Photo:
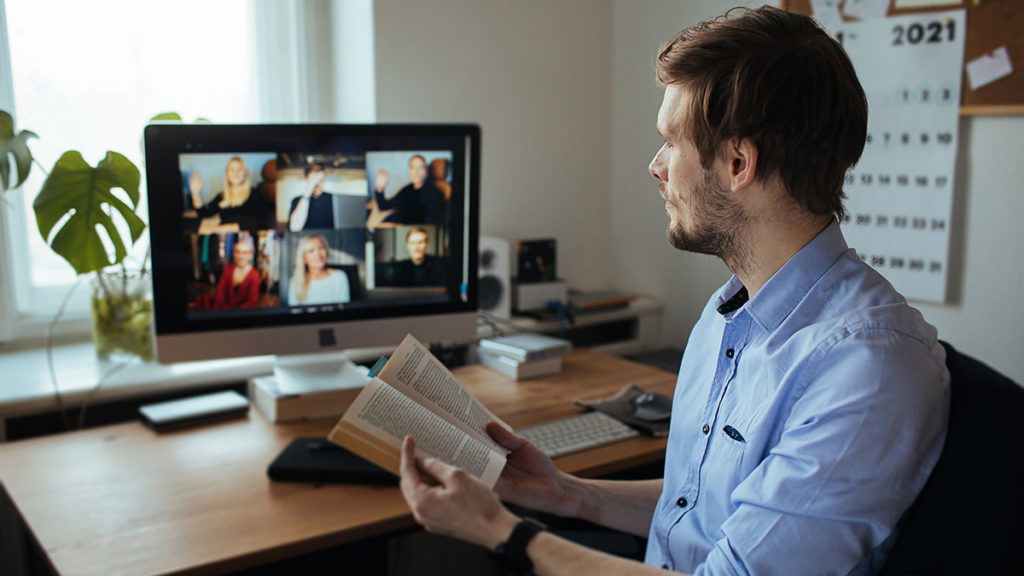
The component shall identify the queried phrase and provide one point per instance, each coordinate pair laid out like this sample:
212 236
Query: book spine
497 365
514 352
263 399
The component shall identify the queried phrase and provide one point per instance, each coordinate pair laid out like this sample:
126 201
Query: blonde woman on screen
236 206
312 281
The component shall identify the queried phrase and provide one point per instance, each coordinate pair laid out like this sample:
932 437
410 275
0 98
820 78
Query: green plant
16 145
75 206
75 213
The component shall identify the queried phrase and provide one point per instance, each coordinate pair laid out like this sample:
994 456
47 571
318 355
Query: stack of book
524 355
280 406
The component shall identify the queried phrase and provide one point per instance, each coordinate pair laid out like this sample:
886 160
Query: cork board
990 24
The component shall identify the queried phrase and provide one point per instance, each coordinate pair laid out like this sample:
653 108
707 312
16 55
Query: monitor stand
302 374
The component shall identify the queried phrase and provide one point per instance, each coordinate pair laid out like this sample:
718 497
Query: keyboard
587 430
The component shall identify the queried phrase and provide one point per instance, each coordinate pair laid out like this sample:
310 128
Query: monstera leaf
72 200
15 145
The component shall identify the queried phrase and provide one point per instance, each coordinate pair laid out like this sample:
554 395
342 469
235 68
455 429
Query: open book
415 394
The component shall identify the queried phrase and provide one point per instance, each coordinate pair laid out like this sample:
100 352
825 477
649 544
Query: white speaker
495 290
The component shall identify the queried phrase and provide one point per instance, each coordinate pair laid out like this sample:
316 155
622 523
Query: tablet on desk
319 461
176 414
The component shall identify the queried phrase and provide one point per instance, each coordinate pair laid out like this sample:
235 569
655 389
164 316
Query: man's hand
376 217
195 187
315 180
530 479
381 183
448 501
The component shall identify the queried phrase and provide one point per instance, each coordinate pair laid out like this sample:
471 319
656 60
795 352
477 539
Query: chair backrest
969 518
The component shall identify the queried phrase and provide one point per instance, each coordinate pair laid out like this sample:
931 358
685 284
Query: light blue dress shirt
804 423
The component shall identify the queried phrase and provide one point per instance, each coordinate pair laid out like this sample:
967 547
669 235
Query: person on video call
312 281
421 269
812 400
239 285
237 204
418 202
314 209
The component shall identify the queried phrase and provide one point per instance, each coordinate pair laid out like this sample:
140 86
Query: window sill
29 390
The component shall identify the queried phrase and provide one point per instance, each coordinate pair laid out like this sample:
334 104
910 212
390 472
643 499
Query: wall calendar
900 194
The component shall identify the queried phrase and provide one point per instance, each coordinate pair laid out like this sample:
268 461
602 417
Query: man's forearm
627 506
554 556
298 216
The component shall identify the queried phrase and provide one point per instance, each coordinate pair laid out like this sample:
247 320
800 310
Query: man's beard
715 218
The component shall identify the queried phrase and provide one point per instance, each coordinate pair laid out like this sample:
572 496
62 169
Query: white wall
644 260
566 95
536 76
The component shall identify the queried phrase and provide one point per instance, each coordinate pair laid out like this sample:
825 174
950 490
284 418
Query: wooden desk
123 499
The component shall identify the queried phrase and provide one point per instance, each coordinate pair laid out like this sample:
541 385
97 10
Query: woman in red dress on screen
239 285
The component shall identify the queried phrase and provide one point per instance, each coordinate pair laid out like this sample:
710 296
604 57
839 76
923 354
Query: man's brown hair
778 79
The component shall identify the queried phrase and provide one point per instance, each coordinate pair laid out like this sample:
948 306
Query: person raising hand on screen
313 209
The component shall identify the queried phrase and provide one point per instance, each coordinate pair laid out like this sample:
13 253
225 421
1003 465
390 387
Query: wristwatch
511 554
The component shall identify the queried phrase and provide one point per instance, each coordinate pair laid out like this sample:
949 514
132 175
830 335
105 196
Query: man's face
702 216
417 172
417 247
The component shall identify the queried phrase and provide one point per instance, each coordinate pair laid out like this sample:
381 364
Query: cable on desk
49 353
53 371
564 316
505 321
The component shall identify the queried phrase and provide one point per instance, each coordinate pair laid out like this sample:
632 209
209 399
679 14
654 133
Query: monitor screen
297 239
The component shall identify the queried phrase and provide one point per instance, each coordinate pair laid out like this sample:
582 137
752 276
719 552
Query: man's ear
741 158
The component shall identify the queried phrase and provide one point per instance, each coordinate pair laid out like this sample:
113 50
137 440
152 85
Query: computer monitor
304 239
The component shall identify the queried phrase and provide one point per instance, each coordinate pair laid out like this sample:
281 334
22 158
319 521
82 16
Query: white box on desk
280 407
519 370
526 346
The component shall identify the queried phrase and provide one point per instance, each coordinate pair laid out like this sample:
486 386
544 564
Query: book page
381 417
414 371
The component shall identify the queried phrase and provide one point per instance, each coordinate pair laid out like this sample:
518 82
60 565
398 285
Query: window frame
297 83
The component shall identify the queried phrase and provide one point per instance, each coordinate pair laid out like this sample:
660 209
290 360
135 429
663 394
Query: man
811 402
313 209
420 269
419 202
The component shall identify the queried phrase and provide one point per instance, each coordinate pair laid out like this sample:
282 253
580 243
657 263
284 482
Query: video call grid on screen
351 228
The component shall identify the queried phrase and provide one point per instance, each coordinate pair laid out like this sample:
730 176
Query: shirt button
730 353
705 429
681 502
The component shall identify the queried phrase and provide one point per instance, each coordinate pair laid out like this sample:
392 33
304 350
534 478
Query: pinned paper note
865 9
989 68
901 4
826 12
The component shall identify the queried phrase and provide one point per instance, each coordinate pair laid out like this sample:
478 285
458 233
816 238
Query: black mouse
652 406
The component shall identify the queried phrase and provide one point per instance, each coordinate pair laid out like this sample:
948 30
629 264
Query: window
116 64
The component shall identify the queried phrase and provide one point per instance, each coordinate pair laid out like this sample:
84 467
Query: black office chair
969 519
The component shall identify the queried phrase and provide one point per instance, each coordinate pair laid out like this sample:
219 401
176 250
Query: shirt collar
790 284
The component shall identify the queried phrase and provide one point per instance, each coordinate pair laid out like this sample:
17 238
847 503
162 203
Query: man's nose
657 167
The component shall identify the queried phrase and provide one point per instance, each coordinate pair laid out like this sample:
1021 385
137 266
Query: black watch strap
511 554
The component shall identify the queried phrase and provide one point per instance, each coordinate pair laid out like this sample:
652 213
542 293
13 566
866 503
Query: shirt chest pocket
737 424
